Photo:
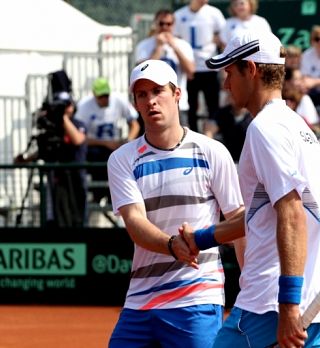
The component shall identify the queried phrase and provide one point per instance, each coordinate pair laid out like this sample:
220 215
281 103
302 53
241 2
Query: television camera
49 118
49 123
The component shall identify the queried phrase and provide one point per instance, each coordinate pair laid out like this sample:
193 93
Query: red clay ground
56 326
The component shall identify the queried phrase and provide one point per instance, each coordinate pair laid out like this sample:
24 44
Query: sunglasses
103 96
162 24
316 39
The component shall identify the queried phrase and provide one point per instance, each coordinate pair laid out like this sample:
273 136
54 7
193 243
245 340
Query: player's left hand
290 330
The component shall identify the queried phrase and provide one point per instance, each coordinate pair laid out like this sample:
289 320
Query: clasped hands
185 247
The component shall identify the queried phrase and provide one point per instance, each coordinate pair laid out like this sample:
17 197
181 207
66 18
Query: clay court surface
56 326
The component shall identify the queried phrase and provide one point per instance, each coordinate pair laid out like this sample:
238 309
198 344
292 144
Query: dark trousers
99 154
69 198
208 83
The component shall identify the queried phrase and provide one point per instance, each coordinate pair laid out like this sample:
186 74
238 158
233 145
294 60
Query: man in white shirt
157 181
175 51
279 172
200 24
104 113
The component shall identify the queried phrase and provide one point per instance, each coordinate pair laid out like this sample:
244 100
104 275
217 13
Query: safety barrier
24 200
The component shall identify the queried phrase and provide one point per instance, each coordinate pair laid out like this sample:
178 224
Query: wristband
205 239
290 289
170 241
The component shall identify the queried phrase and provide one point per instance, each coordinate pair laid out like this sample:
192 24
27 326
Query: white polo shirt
280 154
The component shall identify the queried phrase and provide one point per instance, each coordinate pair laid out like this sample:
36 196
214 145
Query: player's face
238 84
158 105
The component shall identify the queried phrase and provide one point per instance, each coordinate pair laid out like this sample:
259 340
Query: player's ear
177 93
252 68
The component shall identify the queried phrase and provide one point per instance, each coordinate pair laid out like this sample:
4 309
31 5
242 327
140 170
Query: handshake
185 247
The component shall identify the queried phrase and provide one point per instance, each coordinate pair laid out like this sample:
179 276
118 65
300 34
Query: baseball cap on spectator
248 45
157 71
101 87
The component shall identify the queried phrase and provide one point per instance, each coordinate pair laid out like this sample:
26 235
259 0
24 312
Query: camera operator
68 187
62 139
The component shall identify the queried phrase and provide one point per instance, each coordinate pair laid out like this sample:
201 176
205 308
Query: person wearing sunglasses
176 52
310 66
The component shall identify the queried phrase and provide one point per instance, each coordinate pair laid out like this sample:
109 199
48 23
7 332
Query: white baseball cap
157 71
260 47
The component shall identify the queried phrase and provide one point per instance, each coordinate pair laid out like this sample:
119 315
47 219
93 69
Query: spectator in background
243 16
293 57
310 66
175 51
104 114
200 24
294 92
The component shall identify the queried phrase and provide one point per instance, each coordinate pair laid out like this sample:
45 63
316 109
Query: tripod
30 177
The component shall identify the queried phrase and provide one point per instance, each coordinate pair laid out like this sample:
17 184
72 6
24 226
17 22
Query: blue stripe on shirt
153 167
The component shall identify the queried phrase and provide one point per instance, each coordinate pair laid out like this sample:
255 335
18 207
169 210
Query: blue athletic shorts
243 329
187 327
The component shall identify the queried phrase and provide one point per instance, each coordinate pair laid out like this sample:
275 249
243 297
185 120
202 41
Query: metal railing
25 198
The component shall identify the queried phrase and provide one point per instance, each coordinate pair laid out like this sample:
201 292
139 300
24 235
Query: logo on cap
144 67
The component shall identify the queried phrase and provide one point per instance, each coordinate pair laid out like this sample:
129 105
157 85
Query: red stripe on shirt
179 293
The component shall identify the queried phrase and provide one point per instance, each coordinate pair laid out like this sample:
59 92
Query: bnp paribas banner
65 266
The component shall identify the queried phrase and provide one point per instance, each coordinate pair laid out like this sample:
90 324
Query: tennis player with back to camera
279 173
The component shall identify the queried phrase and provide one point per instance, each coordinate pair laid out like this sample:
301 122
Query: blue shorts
245 329
188 327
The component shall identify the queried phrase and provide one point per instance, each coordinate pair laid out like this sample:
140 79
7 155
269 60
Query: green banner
43 259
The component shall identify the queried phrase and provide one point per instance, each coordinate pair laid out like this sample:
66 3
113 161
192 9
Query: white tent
49 25
36 32
37 37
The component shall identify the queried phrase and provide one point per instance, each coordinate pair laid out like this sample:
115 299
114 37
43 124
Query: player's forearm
291 234
142 231
230 230
147 235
